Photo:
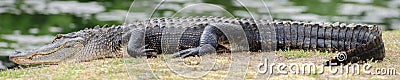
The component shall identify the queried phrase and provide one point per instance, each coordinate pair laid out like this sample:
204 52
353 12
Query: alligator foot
136 46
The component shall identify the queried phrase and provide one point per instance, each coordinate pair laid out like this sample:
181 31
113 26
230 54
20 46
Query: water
27 24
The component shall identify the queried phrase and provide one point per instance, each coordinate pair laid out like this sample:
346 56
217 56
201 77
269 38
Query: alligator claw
148 54
191 53
148 50
186 53
198 51
142 51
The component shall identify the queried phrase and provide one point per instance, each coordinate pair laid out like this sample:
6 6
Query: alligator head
83 45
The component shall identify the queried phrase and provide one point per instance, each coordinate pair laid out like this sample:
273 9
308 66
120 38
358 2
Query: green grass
121 68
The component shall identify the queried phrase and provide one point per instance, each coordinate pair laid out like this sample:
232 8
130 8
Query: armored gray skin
184 37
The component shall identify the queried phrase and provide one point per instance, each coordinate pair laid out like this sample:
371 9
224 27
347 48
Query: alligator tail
360 42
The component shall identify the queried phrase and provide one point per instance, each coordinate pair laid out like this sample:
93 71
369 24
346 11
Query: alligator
196 36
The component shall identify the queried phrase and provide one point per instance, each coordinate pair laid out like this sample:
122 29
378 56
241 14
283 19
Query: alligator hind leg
136 45
208 43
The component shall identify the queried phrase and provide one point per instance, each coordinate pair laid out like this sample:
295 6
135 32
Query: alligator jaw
25 61
26 58
20 60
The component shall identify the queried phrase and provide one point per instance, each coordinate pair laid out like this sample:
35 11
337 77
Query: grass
223 66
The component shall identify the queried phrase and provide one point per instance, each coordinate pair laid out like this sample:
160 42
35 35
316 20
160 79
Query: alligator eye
54 40
58 36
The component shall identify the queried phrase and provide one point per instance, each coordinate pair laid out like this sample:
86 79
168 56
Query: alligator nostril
17 52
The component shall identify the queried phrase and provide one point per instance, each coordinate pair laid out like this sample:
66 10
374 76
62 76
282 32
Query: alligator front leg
136 45
208 43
